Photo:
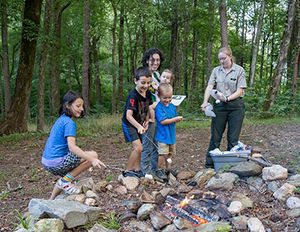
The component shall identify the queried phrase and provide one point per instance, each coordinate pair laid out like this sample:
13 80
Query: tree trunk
195 55
174 45
5 59
55 58
262 59
296 52
120 50
85 58
16 119
281 61
114 75
1 93
211 16
256 42
97 71
42 69
223 22
242 53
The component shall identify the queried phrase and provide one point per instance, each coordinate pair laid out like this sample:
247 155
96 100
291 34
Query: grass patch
112 124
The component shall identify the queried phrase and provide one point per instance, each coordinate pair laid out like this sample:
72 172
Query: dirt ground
20 165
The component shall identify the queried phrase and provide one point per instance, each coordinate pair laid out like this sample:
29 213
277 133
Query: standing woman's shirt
228 83
57 144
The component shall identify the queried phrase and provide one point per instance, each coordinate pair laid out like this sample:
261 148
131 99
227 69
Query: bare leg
161 161
135 157
84 165
55 192
168 165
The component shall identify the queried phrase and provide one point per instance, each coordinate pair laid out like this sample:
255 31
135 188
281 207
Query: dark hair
142 71
149 53
70 97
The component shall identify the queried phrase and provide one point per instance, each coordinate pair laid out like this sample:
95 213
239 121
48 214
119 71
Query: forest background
93 46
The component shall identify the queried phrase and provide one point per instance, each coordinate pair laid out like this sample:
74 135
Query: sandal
68 187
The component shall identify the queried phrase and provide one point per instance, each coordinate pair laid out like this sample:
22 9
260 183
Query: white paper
208 111
177 99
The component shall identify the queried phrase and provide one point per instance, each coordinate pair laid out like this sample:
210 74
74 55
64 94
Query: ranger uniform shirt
228 83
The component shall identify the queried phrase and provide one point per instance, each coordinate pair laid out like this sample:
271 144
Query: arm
130 118
206 97
235 95
77 151
171 120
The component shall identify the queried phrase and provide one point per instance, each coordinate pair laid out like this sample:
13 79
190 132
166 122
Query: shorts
165 149
71 161
130 133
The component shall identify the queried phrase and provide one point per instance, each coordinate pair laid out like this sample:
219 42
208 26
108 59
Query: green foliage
224 228
4 194
110 177
297 190
23 221
111 222
226 167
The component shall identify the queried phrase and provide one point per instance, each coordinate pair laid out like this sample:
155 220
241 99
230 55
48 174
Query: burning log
183 214
197 213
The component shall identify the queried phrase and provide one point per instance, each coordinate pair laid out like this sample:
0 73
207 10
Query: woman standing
153 59
229 79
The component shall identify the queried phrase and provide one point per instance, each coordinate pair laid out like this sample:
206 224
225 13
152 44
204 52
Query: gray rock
100 228
293 202
49 225
293 212
71 212
131 183
255 225
284 192
276 172
159 220
246 201
213 227
273 186
240 222
246 169
222 181
294 180
255 183
144 211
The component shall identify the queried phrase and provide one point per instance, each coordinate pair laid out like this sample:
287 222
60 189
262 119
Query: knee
139 149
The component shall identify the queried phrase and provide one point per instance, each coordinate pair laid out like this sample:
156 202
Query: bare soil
20 164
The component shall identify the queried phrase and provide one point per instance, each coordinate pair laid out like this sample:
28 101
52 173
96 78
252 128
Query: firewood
260 161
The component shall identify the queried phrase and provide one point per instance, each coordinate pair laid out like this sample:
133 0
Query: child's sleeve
160 115
131 103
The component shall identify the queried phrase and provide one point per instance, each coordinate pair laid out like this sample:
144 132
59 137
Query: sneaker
68 187
161 174
139 173
173 171
129 174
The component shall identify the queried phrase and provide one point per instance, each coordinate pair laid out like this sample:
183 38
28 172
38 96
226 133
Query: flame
185 201
200 220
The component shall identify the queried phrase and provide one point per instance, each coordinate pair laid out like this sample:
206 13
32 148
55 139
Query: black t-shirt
139 105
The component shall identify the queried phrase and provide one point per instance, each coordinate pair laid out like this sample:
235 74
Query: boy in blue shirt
166 118
135 119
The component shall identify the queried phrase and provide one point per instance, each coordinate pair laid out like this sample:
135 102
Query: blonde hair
170 72
163 87
228 52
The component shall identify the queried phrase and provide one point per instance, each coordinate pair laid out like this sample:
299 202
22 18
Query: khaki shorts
165 149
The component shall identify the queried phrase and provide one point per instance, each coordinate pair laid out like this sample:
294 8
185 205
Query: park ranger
229 82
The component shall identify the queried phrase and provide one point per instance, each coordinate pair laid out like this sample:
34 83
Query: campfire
195 215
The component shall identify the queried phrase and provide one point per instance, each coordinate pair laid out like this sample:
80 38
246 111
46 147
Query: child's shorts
130 133
71 161
165 149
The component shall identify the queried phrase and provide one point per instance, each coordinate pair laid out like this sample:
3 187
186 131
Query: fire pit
173 207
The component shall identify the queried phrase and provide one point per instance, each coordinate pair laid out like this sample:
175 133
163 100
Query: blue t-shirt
57 145
165 133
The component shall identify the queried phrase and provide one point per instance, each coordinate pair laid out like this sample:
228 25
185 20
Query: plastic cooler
227 157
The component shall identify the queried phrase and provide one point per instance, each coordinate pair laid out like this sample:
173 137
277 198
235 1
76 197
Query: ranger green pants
231 112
